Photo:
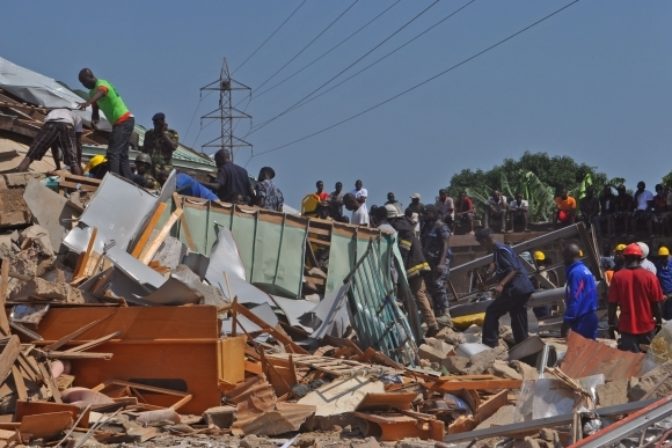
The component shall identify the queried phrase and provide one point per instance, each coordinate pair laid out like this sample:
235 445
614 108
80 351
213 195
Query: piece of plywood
24 408
147 255
232 359
46 425
452 386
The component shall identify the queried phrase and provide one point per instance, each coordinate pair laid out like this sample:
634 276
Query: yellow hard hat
539 255
620 247
663 251
95 161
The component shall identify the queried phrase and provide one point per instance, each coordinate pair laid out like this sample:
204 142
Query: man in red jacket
637 293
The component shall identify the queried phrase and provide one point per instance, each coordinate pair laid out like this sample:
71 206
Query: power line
329 51
375 47
270 36
387 55
422 83
309 44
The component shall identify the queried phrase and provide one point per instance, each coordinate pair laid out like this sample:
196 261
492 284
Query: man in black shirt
234 183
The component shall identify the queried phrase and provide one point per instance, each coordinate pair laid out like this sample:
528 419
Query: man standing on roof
637 293
361 194
512 292
336 203
61 129
102 95
268 195
580 296
234 182
160 143
360 215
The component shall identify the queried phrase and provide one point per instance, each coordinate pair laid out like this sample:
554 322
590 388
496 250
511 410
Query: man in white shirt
446 207
361 194
61 129
518 209
643 201
360 215
496 211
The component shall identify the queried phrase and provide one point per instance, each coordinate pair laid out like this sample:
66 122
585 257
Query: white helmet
645 249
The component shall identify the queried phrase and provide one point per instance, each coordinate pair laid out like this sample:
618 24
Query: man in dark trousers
637 293
234 183
512 292
104 96
435 239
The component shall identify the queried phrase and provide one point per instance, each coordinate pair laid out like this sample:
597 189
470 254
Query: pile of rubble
129 317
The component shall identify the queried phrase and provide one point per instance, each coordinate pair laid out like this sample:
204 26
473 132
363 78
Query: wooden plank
142 241
94 343
8 357
45 369
79 355
71 336
452 386
24 408
19 384
83 261
4 284
161 237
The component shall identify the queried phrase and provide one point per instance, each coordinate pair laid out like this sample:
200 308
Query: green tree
537 176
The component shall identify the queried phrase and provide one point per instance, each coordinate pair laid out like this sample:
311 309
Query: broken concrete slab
435 350
220 416
612 393
37 237
657 383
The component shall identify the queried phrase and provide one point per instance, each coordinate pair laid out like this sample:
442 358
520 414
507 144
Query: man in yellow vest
102 95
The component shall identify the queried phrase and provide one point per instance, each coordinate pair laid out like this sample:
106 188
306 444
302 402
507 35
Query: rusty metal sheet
586 357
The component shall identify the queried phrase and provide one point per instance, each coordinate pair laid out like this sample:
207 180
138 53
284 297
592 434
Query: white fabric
363 193
513 205
643 200
65 116
649 266
360 216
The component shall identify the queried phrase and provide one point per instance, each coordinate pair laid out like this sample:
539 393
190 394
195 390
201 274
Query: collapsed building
131 316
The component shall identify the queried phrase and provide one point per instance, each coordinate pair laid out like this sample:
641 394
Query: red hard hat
633 250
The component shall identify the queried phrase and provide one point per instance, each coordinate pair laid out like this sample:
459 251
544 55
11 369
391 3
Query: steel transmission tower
226 113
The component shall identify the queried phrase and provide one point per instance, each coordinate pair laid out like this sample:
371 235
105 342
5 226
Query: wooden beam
4 285
161 237
142 242
94 343
83 261
8 357
69 337
286 341
452 386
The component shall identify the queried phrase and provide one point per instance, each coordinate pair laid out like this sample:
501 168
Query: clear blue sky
592 83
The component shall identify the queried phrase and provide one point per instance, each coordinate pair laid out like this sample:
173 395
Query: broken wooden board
170 347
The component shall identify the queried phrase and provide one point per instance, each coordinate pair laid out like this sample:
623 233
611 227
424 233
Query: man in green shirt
102 95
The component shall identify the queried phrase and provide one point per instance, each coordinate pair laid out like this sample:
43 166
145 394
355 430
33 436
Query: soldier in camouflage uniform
160 143
143 173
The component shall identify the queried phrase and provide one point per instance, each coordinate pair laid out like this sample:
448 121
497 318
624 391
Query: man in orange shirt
565 209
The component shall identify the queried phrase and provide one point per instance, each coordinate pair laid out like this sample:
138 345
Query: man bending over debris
636 292
580 295
512 292
61 129
234 182
104 96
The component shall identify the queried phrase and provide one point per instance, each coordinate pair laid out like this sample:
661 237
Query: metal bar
641 419
566 419
565 232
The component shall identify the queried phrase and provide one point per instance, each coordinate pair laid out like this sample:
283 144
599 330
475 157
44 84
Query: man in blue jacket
580 295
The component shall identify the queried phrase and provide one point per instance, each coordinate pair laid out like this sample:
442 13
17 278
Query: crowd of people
639 291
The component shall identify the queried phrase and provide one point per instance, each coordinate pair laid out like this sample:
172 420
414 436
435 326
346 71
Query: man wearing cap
415 211
160 143
580 295
234 182
268 195
143 173
416 266
104 96
646 263
637 293
512 292
664 274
